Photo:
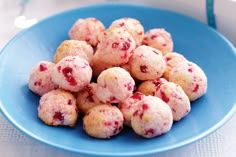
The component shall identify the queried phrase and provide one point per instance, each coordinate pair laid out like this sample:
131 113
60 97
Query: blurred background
16 15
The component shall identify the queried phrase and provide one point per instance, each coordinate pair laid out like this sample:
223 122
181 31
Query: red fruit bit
116 122
67 72
116 130
107 123
165 124
164 45
122 24
104 33
115 45
112 98
42 67
38 83
164 97
59 68
135 113
196 88
137 96
69 102
126 46
58 116
187 111
141 115
168 58
87 39
190 70
145 106
143 68
149 131
129 86
153 37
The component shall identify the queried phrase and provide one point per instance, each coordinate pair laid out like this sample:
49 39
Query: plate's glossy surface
196 41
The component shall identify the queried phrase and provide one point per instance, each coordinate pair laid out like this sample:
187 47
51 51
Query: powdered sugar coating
73 48
58 107
175 97
191 78
87 30
160 39
147 63
87 99
72 73
129 105
115 46
40 80
172 60
150 87
103 121
114 85
152 118
133 26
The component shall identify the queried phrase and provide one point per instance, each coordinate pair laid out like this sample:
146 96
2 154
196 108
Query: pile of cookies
114 77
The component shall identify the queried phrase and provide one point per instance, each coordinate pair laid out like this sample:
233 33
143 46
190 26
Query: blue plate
196 41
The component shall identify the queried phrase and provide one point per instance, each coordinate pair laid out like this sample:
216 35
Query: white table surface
13 143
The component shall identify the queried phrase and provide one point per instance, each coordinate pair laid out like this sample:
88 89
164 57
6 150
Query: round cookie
133 26
40 80
160 39
73 48
114 85
72 73
152 118
87 30
115 46
147 63
191 78
58 107
103 121
176 98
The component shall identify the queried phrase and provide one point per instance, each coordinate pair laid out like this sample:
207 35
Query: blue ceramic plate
196 41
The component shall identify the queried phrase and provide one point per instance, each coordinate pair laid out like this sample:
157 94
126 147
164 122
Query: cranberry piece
153 37
143 68
126 46
145 106
149 131
67 72
42 67
122 24
137 96
164 97
58 116
196 88
38 83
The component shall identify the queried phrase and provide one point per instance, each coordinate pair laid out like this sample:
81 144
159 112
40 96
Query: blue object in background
210 13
